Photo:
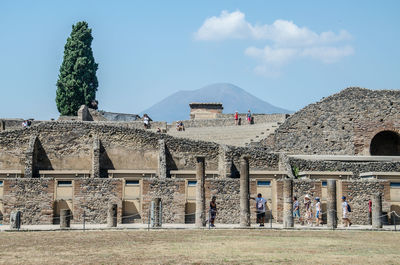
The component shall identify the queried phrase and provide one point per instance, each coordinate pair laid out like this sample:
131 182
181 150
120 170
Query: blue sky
288 53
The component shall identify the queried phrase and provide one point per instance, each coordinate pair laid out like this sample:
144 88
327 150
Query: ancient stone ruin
345 145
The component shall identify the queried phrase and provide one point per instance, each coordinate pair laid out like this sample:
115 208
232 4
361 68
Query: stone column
65 218
96 158
162 159
331 204
376 211
112 215
200 192
2 125
288 203
156 212
244 192
15 220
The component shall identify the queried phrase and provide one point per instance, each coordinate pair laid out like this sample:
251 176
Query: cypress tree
77 82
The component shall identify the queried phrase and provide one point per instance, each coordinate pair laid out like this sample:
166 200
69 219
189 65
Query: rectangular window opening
324 184
131 182
395 184
263 183
192 182
64 183
1 183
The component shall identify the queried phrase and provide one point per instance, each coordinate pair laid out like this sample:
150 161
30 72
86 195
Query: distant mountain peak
176 106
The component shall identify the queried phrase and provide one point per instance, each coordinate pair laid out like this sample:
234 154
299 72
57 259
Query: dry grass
200 247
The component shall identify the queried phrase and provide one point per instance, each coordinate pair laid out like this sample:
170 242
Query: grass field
200 247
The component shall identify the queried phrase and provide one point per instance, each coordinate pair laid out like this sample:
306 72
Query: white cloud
277 56
286 40
226 26
328 54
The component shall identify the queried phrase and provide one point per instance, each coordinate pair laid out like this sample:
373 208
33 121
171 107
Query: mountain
176 106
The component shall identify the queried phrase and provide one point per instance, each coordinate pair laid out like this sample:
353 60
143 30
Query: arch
385 143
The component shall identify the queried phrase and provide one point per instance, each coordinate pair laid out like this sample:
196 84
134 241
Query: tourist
260 209
296 209
236 118
345 210
318 213
181 126
213 210
307 207
249 117
370 212
146 121
158 130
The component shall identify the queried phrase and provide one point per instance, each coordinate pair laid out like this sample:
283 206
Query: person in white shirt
318 213
345 209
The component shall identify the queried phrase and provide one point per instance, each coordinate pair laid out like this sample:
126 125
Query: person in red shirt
236 118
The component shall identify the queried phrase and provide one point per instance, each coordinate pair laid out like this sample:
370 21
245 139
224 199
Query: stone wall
13 145
12 124
33 197
93 195
356 167
228 120
343 123
69 146
312 188
172 194
228 200
359 192
259 159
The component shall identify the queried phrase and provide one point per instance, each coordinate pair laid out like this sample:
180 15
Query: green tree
77 82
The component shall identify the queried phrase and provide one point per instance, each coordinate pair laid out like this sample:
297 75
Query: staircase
229 135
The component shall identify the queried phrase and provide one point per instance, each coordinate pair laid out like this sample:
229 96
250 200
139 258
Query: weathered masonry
85 166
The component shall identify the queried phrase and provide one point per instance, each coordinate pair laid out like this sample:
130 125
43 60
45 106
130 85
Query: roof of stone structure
334 124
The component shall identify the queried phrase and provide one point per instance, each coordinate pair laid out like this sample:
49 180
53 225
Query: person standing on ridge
249 116
236 118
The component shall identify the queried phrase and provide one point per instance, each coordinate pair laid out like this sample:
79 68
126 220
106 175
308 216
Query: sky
288 53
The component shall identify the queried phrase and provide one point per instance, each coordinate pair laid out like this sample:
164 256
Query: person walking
345 210
318 213
296 209
307 207
213 210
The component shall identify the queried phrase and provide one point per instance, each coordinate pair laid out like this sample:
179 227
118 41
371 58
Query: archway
385 143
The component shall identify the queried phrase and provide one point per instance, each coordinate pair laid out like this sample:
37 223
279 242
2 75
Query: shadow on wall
171 165
234 171
105 162
40 158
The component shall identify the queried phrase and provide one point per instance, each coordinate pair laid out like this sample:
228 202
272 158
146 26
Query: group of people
26 123
308 217
238 120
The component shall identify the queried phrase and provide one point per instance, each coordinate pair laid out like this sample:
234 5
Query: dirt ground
200 247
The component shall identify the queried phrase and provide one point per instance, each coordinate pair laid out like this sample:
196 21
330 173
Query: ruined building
352 137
